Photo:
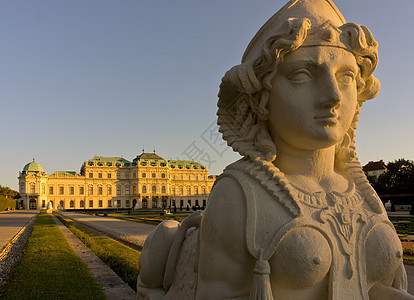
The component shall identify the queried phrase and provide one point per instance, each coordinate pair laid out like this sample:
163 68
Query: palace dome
33 167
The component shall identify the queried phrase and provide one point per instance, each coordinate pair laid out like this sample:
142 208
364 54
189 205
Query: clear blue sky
80 78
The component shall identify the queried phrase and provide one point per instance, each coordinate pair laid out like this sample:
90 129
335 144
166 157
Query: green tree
9 193
398 179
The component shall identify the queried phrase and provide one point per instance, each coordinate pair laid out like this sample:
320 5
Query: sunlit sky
80 78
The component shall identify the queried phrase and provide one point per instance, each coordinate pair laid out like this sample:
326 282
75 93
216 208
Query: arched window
32 188
154 189
189 190
144 189
61 204
71 204
153 175
196 190
43 188
163 189
144 175
181 190
163 175
81 204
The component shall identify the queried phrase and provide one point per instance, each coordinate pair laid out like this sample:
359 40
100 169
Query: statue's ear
370 90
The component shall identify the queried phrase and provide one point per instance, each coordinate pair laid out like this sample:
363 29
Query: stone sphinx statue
295 218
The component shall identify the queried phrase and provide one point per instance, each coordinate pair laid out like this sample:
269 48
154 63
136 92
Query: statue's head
303 78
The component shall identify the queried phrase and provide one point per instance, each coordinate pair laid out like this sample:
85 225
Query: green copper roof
33 167
109 159
185 164
148 156
62 173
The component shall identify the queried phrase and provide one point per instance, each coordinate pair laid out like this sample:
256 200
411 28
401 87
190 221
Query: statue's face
314 97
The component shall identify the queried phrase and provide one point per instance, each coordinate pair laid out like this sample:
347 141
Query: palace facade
149 181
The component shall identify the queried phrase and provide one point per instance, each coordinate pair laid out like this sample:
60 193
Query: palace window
22 188
100 203
154 203
118 203
90 203
71 203
118 175
109 203
144 203
118 190
163 189
181 190
196 177
126 175
43 188
81 190
109 190
71 190
99 175
127 190
144 175
61 204
90 175
99 190
154 189
134 189
163 175
61 190
196 190
51 190
81 203
144 189
173 191
32 188
109 175
189 177
153 175
204 190
127 203
189 190
90 190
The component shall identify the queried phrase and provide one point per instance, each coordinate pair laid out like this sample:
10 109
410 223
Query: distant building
375 168
149 181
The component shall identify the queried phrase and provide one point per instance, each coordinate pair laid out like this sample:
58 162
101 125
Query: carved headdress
244 91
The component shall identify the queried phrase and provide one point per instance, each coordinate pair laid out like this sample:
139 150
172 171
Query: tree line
9 193
398 179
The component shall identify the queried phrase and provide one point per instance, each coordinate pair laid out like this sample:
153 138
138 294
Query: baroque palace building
149 181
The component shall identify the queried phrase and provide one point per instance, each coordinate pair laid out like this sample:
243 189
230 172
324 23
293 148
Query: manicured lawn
50 269
120 258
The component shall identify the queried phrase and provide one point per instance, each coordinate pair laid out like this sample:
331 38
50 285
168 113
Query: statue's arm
381 291
225 265
393 287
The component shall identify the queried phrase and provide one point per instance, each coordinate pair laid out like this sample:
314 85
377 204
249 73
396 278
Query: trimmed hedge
6 203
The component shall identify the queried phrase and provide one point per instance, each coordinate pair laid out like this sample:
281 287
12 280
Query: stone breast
302 259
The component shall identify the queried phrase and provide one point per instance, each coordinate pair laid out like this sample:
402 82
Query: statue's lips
328 119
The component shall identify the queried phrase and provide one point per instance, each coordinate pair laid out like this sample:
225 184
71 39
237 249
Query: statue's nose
330 95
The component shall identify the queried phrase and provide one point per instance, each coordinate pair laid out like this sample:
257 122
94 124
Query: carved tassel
261 288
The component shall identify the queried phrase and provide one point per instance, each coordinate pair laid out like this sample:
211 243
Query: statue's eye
346 78
300 76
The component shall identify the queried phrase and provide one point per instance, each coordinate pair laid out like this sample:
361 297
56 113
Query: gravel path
13 251
129 231
112 285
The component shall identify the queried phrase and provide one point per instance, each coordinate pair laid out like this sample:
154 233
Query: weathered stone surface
295 218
